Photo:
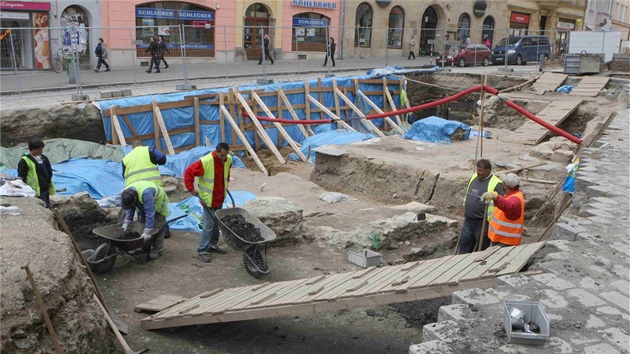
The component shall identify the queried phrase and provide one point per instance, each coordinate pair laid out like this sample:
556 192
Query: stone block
563 156
283 217
553 281
431 347
622 285
597 191
117 94
473 297
600 348
447 331
565 232
457 312
617 337
106 94
126 93
585 298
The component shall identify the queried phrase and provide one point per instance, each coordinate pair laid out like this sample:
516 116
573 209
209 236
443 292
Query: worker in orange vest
508 221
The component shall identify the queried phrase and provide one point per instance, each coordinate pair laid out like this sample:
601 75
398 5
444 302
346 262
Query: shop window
396 23
164 18
463 27
310 31
363 30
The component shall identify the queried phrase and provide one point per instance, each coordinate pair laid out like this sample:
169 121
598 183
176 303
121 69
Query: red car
472 54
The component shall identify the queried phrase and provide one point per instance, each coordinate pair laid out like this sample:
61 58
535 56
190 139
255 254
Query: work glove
126 225
146 234
488 196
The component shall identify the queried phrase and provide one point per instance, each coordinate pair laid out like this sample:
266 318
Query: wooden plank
306 102
331 114
388 119
261 131
555 113
160 303
280 128
438 271
320 97
337 109
478 270
118 130
293 114
523 257
422 272
128 123
222 119
517 169
375 276
359 113
237 131
160 121
456 269
548 82
328 287
197 127
390 99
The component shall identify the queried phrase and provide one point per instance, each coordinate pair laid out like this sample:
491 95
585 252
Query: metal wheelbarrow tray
254 260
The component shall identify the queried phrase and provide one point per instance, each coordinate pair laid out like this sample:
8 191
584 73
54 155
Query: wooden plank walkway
590 86
362 288
548 82
531 133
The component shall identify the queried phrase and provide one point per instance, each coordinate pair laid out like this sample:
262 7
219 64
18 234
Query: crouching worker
507 224
151 203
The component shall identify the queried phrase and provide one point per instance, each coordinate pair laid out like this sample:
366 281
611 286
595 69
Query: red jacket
196 170
511 207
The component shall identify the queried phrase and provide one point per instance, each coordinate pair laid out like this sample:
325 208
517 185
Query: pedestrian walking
266 55
34 169
213 173
486 41
101 53
412 47
330 52
161 49
482 181
155 58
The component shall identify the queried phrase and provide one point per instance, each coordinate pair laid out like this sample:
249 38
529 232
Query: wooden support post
119 336
116 125
232 113
307 109
359 113
197 128
337 110
279 113
156 129
280 128
483 83
391 103
158 116
389 120
222 118
293 114
261 131
331 114
241 136
320 97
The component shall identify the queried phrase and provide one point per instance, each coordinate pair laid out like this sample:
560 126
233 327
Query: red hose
442 101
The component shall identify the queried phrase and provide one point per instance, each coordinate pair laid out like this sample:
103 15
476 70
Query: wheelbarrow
254 255
115 242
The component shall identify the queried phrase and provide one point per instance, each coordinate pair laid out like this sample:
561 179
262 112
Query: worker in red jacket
508 221
213 173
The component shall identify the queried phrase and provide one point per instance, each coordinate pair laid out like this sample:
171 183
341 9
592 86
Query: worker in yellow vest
483 180
508 222
213 173
34 169
151 204
141 165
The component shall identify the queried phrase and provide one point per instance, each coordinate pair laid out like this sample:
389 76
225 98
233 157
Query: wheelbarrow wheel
260 262
98 262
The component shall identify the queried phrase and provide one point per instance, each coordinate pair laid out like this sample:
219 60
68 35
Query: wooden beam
231 103
167 139
358 111
520 168
337 110
308 105
197 129
156 130
293 114
391 103
117 128
388 119
331 114
222 118
240 134
261 131
129 125
281 130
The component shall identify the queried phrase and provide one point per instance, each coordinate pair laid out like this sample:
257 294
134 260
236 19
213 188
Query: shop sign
309 22
201 24
195 15
26 6
154 13
566 25
314 4
519 18
14 15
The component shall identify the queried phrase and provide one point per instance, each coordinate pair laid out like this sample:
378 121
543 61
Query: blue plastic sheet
565 89
331 137
191 206
435 130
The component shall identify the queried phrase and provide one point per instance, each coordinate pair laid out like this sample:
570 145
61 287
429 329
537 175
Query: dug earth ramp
31 238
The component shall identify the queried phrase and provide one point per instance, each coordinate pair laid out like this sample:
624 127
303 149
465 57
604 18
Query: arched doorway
463 28
74 23
488 28
428 29
257 15
363 30
396 26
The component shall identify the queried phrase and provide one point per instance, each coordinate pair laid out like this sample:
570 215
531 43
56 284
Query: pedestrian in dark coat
161 49
330 52
101 53
266 55
155 55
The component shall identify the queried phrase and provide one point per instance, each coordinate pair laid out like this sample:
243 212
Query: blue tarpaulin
332 138
435 130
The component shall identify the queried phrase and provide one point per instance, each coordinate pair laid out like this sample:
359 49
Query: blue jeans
469 241
45 196
210 232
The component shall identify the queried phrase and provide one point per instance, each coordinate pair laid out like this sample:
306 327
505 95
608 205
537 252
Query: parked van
522 49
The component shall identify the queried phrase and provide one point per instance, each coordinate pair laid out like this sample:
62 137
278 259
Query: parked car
471 54
521 49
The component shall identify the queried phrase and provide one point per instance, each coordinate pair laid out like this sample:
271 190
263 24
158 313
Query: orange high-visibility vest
504 230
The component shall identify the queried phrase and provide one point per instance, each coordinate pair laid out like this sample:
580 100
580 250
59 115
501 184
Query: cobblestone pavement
583 286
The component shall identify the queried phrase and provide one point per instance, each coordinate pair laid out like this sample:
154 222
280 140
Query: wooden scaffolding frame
234 102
